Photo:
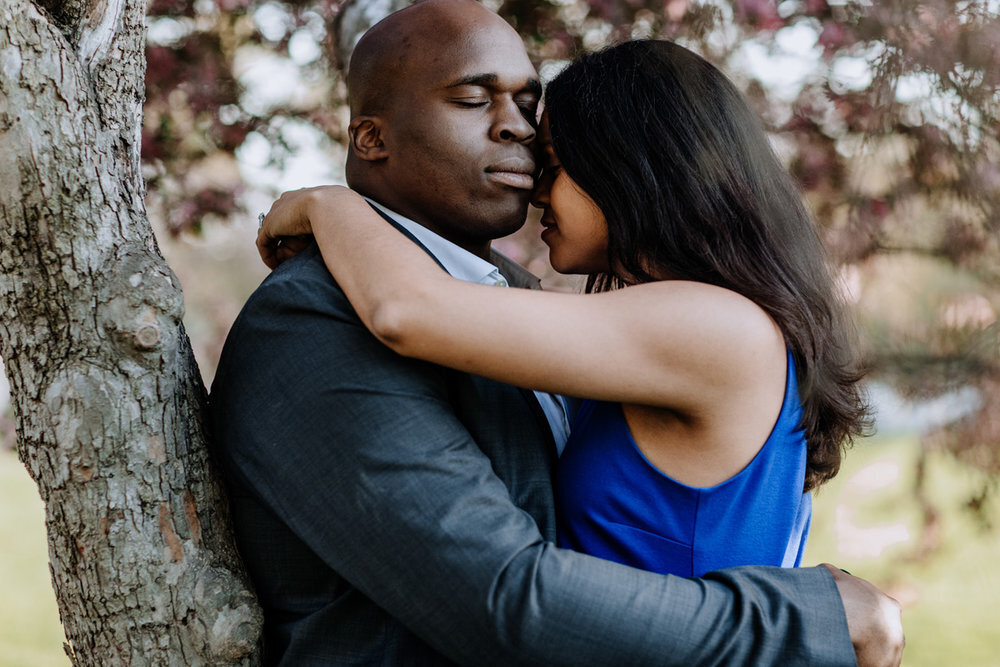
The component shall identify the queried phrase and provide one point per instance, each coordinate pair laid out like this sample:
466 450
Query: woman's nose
540 195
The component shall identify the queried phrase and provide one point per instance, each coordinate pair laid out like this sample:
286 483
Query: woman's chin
564 267
570 266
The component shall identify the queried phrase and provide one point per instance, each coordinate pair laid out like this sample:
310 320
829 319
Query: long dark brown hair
685 176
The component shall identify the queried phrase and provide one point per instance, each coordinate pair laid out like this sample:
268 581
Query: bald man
393 512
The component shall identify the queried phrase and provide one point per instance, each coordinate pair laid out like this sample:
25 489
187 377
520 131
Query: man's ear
366 138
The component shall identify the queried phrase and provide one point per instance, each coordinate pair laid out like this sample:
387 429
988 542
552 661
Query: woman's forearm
668 344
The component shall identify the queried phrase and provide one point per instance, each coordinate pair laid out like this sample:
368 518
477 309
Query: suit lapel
518 276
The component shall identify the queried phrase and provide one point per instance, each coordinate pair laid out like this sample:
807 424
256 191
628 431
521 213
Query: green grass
865 521
30 633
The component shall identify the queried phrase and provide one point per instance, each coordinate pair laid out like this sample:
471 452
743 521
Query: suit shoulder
302 282
299 296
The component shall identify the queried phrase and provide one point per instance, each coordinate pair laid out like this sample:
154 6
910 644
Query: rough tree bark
106 394
108 401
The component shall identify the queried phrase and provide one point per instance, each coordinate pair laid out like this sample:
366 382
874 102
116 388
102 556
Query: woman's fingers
285 230
290 246
267 248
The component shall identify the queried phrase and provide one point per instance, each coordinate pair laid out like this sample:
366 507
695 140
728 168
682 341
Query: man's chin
513 215
508 226
499 219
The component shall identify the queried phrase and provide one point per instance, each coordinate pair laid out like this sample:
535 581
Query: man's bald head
407 42
443 106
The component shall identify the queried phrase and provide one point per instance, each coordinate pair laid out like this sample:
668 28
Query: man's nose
511 123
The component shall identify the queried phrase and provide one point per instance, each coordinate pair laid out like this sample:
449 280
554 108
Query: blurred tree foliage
891 123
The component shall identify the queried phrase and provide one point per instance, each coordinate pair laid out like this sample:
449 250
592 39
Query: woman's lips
548 228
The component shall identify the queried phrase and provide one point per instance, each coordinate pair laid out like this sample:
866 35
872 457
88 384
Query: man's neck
481 251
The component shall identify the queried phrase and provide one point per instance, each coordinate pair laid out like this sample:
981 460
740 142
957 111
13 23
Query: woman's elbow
392 323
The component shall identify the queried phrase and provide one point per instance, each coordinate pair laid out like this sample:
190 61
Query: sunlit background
885 112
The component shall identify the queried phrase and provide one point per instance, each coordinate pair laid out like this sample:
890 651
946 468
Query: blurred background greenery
888 115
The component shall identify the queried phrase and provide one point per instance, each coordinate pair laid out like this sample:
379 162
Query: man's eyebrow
490 81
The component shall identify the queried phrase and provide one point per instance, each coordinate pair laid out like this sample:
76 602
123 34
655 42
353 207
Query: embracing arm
660 344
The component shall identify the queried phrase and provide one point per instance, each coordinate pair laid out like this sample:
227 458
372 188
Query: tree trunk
108 402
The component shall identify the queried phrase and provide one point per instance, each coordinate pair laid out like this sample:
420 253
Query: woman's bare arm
672 344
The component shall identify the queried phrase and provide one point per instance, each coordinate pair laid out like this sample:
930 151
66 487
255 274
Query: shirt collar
456 260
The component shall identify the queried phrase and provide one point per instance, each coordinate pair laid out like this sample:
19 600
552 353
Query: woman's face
573 227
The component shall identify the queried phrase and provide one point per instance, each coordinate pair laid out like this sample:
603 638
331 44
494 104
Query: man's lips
515 172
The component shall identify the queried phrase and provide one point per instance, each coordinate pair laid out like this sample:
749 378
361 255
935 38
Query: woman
712 348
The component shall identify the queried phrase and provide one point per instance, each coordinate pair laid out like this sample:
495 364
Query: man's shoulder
301 284
298 323
299 296
304 270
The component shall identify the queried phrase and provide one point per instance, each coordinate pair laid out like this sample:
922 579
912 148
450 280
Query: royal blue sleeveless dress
614 504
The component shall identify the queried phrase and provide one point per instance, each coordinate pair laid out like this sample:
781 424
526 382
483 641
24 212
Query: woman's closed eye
529 109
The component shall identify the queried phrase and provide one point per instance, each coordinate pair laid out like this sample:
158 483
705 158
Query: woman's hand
288 227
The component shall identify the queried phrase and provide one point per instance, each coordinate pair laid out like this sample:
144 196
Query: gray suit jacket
393 512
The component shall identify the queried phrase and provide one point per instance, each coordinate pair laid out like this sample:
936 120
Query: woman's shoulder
703 295
726 325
